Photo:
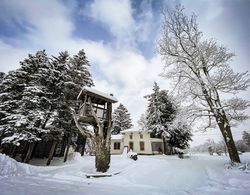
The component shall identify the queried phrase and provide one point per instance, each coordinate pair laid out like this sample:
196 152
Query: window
99 113
141 136
142 146
131 136
131 145
156 146
117 146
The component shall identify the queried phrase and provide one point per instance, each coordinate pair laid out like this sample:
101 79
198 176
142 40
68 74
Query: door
131 146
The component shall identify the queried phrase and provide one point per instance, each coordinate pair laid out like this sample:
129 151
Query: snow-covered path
148 175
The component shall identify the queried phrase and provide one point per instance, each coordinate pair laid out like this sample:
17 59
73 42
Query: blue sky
119 37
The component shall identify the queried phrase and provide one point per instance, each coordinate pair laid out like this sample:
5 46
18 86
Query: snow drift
10 167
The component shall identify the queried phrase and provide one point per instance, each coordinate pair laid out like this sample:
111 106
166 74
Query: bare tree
200 69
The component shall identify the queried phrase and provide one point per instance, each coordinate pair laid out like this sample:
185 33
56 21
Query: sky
119 38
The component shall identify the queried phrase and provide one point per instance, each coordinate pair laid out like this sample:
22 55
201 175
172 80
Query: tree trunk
30 149
67 149
51 152
14 151
102 155
34 150
24 150
164 145
170 150
232 150
83 145
223 124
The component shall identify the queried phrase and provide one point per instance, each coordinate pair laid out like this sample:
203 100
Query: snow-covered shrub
219 152
210 150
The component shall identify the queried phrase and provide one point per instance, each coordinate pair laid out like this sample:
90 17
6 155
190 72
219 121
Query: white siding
136 139
136 142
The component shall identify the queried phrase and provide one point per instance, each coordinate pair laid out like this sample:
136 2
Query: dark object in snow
98 175
181 155
132 155
210 150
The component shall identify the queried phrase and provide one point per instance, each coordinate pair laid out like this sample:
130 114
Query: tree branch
81 129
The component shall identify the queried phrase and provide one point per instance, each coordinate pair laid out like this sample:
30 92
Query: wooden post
109 107
51 152
67 149
30 149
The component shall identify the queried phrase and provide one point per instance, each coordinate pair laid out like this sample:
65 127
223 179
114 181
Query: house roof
134 129
118 136
97 96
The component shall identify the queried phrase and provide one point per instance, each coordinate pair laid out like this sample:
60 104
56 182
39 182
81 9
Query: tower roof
96 96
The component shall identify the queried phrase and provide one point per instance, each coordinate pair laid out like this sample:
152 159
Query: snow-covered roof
92 91
118 136
133 129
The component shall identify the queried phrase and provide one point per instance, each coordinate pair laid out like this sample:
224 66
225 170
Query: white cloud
10 56
132 77
116 16
145 22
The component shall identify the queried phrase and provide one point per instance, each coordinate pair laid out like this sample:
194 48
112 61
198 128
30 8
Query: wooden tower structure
99 102
96 110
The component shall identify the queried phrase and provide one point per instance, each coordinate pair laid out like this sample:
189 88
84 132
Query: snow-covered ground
199 174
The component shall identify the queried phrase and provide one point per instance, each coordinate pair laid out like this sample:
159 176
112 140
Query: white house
138 141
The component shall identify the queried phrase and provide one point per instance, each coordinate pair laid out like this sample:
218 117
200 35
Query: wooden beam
109 111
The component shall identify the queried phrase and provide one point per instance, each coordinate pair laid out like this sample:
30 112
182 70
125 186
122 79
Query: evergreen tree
35 98
168 108
160 112
163 119
2 75
178 135
23 101
121 119
246 138
76 76
154 113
